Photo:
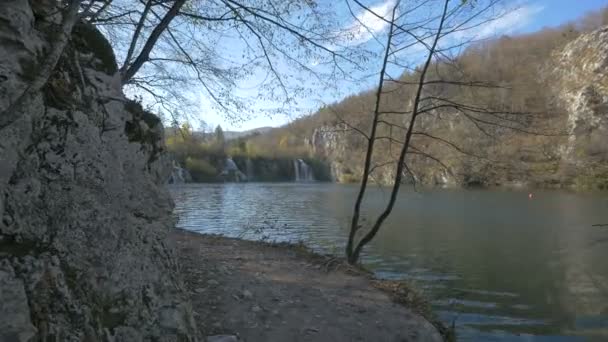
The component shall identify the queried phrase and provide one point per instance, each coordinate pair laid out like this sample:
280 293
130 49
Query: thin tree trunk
354 226
399 171
46 68
136 35
144 55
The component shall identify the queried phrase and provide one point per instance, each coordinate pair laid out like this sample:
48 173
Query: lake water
500 265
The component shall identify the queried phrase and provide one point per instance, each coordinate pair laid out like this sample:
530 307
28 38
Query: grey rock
179 175
84 214
15 324
247 294
222 338
578 74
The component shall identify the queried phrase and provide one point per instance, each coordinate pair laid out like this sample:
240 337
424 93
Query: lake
500 265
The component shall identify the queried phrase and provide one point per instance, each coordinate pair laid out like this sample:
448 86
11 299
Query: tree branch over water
426 93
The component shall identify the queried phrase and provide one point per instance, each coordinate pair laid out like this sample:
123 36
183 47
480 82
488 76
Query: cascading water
231 172
230 165
296 168
302 171
249 169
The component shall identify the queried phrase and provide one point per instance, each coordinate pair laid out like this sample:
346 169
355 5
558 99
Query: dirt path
265 293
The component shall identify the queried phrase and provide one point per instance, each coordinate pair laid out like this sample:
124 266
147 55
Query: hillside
554 82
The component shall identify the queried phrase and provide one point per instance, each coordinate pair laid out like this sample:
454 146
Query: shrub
201 170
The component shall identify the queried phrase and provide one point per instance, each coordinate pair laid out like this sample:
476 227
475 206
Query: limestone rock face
580 84
330 143
581 75
84 214
179 175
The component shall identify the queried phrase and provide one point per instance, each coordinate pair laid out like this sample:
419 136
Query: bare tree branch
353 254
143 56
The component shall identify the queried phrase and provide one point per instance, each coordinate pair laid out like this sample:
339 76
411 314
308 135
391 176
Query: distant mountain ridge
228 135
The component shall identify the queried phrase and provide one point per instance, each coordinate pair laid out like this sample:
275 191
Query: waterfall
296 168
249 169
230 165
231 172
303 171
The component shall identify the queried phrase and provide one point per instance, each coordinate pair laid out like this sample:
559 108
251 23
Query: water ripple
498 265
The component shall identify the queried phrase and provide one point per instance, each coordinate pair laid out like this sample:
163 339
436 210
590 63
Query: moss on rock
88 39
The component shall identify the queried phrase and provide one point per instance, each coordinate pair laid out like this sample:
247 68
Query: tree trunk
354 256
136 34
354 226
144 55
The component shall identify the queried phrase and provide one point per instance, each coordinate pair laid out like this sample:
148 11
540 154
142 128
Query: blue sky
529 16
556 12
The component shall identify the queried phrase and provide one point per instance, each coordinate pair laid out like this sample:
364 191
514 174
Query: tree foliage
173 51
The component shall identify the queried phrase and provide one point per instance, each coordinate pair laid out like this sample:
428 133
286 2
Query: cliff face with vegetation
579 77
84 214
555 83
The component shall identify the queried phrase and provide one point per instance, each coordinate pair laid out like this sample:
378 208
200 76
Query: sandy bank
262 292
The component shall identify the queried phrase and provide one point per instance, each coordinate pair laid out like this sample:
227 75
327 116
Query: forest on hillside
520 70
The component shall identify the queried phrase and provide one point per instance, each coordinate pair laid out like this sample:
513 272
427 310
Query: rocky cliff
579 75
84 214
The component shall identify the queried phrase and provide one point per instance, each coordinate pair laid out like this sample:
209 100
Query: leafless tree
171 51
427 78
168 47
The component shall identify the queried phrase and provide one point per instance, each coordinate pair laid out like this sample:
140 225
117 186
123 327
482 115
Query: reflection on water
501 266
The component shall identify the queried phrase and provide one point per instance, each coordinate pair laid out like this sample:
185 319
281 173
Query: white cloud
367 24
512 21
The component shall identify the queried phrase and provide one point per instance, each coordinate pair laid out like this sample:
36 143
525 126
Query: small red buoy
530 195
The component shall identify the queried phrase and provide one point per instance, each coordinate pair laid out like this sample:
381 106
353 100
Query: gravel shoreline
254 291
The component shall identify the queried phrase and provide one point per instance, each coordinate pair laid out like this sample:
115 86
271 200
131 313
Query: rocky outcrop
84 214
327 142
579 74
179 175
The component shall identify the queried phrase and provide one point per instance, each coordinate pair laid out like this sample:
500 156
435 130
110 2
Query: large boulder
84 214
